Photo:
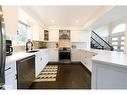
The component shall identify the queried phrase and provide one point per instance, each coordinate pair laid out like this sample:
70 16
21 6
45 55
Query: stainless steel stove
64 55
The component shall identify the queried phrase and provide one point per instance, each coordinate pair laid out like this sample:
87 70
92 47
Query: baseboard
53 62
75 62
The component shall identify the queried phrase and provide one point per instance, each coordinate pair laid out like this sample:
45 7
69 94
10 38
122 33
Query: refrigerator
2 51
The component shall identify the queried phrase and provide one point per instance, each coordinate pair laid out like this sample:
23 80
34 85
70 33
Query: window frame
16 38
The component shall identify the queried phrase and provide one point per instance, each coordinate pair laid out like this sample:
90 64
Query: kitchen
45 50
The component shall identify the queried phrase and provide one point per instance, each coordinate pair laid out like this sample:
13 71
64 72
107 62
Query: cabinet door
53 35
44 58
10 81
82 37
41 34
106 76
86 59
10 76
38 64
53 55
75 55
75 37
41 61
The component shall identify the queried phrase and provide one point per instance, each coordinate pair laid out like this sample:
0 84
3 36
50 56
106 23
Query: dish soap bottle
29 45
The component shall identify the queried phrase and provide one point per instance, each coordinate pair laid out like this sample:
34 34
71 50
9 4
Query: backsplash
65 43
36 45
80 44
19 48
39 44
53 45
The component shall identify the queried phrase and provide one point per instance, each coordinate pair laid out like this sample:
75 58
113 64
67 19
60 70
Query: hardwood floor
70 76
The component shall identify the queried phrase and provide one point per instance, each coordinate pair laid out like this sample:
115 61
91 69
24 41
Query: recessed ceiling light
77 21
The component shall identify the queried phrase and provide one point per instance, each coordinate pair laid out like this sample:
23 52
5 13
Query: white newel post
125 40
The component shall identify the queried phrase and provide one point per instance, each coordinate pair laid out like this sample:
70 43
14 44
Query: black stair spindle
96 39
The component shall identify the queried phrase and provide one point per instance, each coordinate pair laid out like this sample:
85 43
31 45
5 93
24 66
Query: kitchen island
108 68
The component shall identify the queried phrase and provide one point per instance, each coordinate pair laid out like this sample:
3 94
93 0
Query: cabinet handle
41 58
7 68
16 76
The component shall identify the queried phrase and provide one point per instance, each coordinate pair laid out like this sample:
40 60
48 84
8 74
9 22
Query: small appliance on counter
9 48
29 45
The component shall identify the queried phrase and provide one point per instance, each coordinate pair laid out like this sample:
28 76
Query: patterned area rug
49 73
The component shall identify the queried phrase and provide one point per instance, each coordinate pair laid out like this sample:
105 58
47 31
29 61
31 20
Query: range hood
64 38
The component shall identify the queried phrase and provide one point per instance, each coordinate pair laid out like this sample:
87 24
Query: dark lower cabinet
25 72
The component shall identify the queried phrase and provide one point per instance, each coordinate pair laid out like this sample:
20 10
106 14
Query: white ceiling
64 16
116 13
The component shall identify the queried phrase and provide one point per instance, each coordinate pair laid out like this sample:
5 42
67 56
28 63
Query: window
114 39
119 28
115 47
118 42
118 37
122 43
122 38
21 37
114 43
122 48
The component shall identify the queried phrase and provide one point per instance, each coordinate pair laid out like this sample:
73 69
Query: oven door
64 56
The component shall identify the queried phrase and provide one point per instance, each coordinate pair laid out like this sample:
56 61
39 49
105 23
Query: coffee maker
9 48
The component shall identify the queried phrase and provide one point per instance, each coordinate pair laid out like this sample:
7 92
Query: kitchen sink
32 51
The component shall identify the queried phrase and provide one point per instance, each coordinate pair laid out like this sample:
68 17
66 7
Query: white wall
106 30
35 30
10 14
102 31
53 35
113 24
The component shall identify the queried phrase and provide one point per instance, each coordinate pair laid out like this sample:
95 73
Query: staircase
99 43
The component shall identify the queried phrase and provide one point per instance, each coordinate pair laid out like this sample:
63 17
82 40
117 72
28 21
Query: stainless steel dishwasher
25 72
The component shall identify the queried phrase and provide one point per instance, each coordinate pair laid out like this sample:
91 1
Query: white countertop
104 56
109 57
19 55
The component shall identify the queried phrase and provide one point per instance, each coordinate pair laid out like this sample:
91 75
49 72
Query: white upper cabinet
41 34
36 32
78 36
35 35
53 35
75 37
83 36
